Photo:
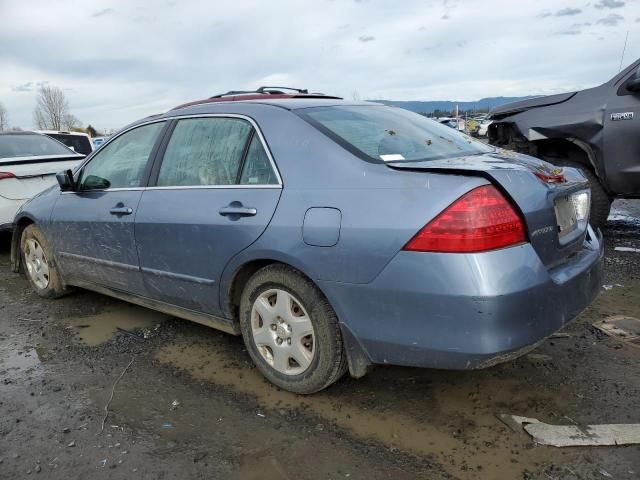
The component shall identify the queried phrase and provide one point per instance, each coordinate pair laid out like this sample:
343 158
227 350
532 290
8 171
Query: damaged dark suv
596 130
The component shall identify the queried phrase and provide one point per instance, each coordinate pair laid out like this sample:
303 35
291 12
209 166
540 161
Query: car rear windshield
389 134
79 143
21 145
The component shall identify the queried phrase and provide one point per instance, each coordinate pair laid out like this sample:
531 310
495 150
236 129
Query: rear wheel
290 331
37 258
600 199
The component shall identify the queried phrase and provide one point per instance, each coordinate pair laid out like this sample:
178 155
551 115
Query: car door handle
236 210
121 210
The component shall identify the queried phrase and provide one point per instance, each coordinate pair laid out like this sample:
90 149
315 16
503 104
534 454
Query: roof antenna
624 49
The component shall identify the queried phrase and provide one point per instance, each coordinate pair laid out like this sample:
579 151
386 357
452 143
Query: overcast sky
121 60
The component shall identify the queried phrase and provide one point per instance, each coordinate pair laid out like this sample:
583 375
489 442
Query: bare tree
51 108
69 122
4 118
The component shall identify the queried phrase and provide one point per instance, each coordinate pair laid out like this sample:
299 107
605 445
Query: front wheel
290 331
37 258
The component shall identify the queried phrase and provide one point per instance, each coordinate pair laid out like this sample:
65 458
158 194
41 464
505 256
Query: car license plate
565 216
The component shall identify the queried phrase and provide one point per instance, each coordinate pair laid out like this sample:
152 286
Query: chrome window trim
217 187
93 154
255 126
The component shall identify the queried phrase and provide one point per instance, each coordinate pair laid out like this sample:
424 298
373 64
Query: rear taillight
4 175
480 220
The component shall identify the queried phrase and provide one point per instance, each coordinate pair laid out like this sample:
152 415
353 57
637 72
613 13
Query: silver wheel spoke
263 336
283 305
266 311
280 360
301 355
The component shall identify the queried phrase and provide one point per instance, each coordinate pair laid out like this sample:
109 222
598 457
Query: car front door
93 225
213 194
622 139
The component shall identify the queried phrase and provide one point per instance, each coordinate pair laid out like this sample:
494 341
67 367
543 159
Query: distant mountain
449 105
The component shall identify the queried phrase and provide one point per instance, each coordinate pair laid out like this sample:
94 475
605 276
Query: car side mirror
65 180
633 84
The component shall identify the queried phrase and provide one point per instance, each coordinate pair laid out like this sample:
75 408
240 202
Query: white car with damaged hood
29 162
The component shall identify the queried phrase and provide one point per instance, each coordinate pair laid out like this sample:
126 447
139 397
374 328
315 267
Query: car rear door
212 194
93 225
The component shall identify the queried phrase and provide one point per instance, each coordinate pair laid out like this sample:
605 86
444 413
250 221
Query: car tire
600 199
278 306
38 263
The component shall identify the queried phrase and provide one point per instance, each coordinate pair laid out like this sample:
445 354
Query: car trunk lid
23 177
548 208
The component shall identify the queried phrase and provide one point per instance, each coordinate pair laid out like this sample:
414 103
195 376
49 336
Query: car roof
287 103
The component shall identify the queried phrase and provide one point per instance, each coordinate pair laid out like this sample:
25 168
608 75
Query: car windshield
391 134
30 145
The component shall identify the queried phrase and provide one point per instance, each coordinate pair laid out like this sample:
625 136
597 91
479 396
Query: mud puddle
20 363
446 423
98 328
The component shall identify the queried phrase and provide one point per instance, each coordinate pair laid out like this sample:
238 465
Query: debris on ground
113 389
175 404
627 249
575 435
167 425
621 327
539 358
610 286
560 335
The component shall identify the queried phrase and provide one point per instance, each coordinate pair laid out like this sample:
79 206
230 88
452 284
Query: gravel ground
191 405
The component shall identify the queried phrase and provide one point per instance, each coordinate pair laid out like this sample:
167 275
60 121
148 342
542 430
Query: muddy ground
191 405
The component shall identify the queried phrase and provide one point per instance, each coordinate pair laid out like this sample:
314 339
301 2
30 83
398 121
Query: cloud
28 86
611 20
567 12
128 71
544 14
445 17
101 13
609 4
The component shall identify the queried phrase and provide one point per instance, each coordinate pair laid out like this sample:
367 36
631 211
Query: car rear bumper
464 311
8 209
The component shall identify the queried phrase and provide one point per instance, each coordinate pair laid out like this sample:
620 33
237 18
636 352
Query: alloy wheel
36 262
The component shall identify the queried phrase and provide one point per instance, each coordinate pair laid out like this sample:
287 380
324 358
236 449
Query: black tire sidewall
328 348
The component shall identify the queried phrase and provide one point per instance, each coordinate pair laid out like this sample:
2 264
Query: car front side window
204 151
121 163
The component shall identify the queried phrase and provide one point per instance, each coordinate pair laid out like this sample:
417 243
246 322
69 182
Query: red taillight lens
478 221
4 175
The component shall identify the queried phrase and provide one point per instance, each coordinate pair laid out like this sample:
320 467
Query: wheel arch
16 259
231 291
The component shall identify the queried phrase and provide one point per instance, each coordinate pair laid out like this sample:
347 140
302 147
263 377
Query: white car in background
29 162
483 129
77 141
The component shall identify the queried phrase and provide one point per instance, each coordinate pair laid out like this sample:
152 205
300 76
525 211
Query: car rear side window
121 163
380 133
257 168
204 151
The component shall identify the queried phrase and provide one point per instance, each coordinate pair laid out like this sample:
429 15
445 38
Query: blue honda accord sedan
331 235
